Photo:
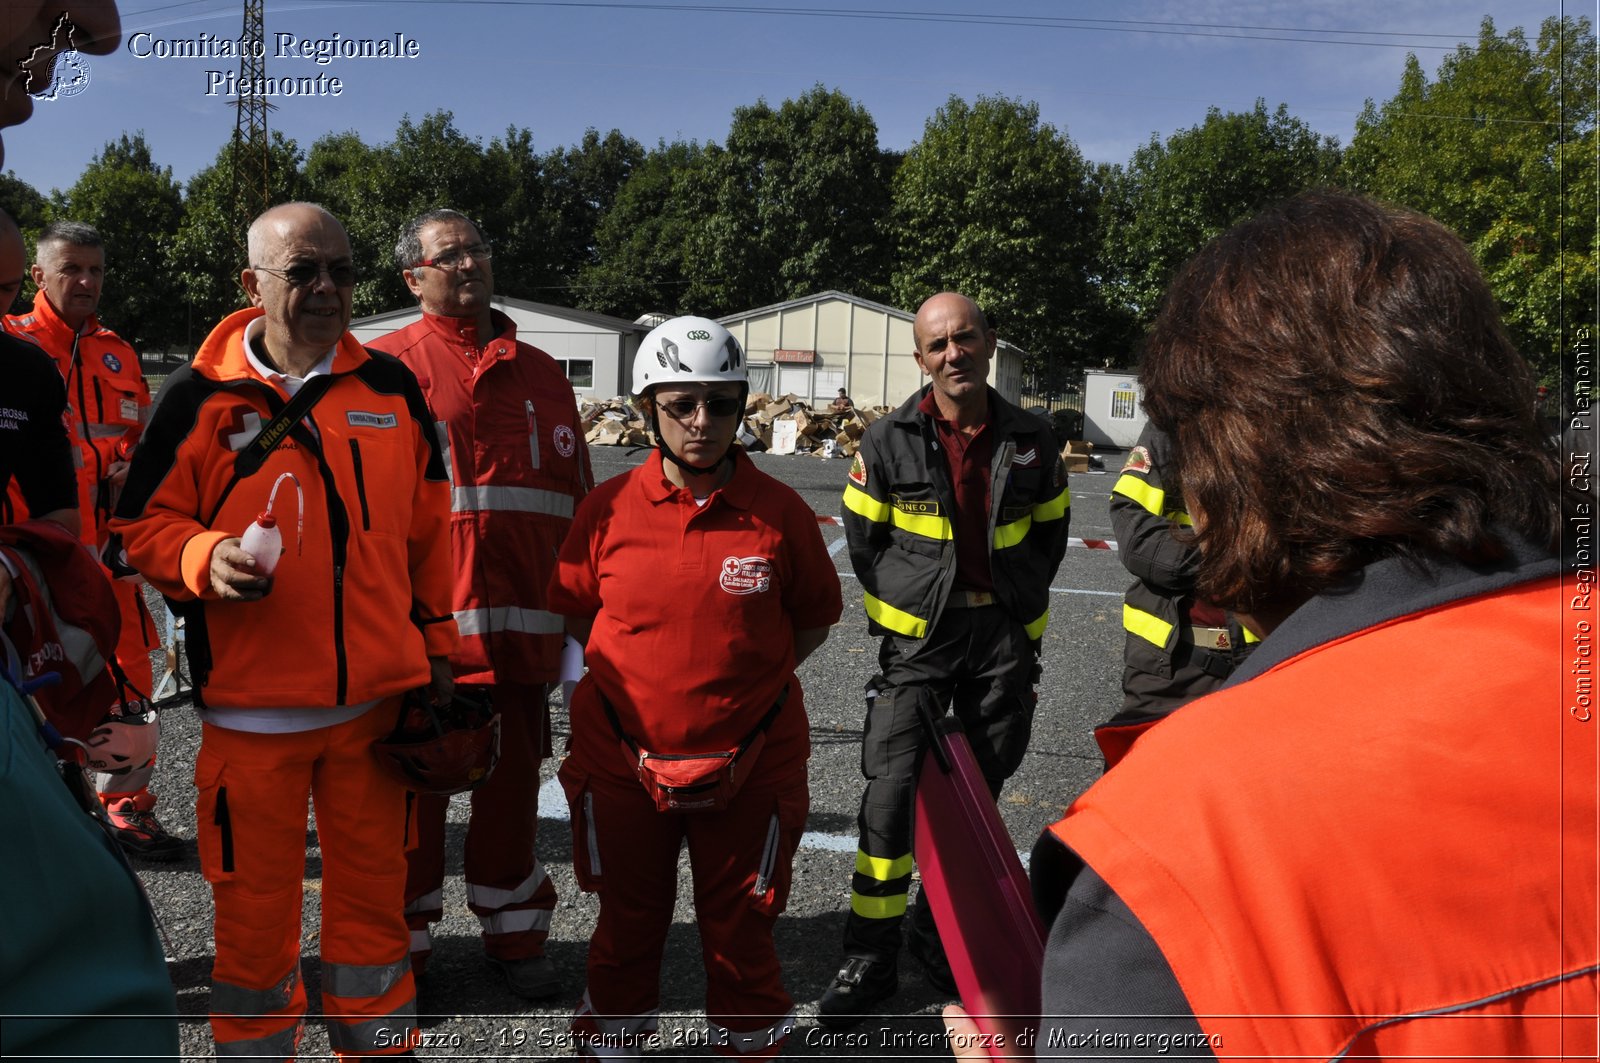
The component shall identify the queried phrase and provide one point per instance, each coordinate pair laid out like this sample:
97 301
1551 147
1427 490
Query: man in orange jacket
299 674
109 403
514 449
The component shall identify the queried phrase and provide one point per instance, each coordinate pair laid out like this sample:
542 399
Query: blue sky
1107 73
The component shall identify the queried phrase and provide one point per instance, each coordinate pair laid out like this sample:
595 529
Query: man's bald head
302 276
946 304
274 223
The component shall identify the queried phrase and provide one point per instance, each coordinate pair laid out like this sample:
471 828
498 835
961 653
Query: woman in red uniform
697 584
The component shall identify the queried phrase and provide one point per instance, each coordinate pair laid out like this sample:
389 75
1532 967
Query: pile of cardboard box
782 425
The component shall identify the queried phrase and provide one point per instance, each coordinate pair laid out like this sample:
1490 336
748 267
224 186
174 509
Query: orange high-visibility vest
1382 847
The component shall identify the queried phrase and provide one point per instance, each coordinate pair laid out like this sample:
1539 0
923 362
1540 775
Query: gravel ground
468 1013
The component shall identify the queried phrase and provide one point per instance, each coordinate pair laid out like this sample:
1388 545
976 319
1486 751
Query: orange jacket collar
221 356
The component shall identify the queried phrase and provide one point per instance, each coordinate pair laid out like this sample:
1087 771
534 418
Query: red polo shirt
695 609
967 459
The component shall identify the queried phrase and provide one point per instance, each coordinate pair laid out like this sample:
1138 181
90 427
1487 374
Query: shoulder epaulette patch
858 472
1138 460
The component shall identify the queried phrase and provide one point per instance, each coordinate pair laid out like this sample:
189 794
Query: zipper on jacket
338 628
533 431
361 485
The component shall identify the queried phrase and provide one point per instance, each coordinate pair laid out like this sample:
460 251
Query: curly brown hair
1341 390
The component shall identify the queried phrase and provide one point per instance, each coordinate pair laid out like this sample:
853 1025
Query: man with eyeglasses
508 421
109 402
298 674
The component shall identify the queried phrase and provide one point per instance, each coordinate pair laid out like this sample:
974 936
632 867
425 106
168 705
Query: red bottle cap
267 520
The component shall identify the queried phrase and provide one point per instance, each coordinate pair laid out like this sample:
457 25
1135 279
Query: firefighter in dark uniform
1178 646
956 514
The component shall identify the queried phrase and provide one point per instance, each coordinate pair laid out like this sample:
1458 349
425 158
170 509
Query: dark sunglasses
684 409
305 274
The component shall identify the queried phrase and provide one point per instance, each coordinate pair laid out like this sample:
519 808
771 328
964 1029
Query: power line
1221 31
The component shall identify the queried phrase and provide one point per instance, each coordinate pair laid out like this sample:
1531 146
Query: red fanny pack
694 782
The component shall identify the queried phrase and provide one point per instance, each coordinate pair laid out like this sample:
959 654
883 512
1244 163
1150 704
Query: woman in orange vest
1378 840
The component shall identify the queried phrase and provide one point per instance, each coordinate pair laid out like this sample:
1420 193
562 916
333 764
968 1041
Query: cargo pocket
585 846
213 819
769 892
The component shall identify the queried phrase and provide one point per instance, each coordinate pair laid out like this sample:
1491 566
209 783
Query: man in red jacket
109 402
508 424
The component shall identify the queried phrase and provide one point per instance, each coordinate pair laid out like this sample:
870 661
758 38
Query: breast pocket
382 479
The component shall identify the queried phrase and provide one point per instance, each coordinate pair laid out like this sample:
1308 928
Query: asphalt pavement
467 1011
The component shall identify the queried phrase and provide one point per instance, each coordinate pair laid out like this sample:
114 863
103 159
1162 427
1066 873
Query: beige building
595 351
814 346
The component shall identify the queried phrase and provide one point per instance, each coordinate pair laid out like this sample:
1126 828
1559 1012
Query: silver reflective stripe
278 1045
756 1040
594 835
230 999
441 432
387 1031
769 859
476 499
432 901
618 1029
482 622
490 897
359 980
421 941
516 921
104 431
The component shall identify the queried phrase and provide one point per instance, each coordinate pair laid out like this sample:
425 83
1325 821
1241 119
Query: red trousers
252 833
507 888
740 861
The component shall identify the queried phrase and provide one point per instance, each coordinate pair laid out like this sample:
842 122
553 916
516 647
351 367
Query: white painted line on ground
838 544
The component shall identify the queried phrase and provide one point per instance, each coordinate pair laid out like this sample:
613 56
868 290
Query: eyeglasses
454 260
305 274
684 409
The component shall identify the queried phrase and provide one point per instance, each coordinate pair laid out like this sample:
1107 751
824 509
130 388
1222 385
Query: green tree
798 201
995 204
642 240
1501 146
580 184
374 190
137 206
514 220
26 205
207 252
1175 195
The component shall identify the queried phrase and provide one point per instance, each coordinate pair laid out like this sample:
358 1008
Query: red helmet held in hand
442 749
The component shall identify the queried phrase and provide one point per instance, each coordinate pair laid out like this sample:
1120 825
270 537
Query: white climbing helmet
123 743
687 350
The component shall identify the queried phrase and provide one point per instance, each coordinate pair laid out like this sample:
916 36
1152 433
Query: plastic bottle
264 542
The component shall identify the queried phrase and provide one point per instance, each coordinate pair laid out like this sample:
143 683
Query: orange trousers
252 832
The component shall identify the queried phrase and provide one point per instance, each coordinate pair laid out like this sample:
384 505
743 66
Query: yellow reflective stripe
1147 626
897 620
937 528
1152 498
878 907
1011 534
883 869
1036 628
1147 494
862 504
1249 636
1056 508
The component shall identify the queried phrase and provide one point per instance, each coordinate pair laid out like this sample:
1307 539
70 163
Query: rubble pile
782 425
